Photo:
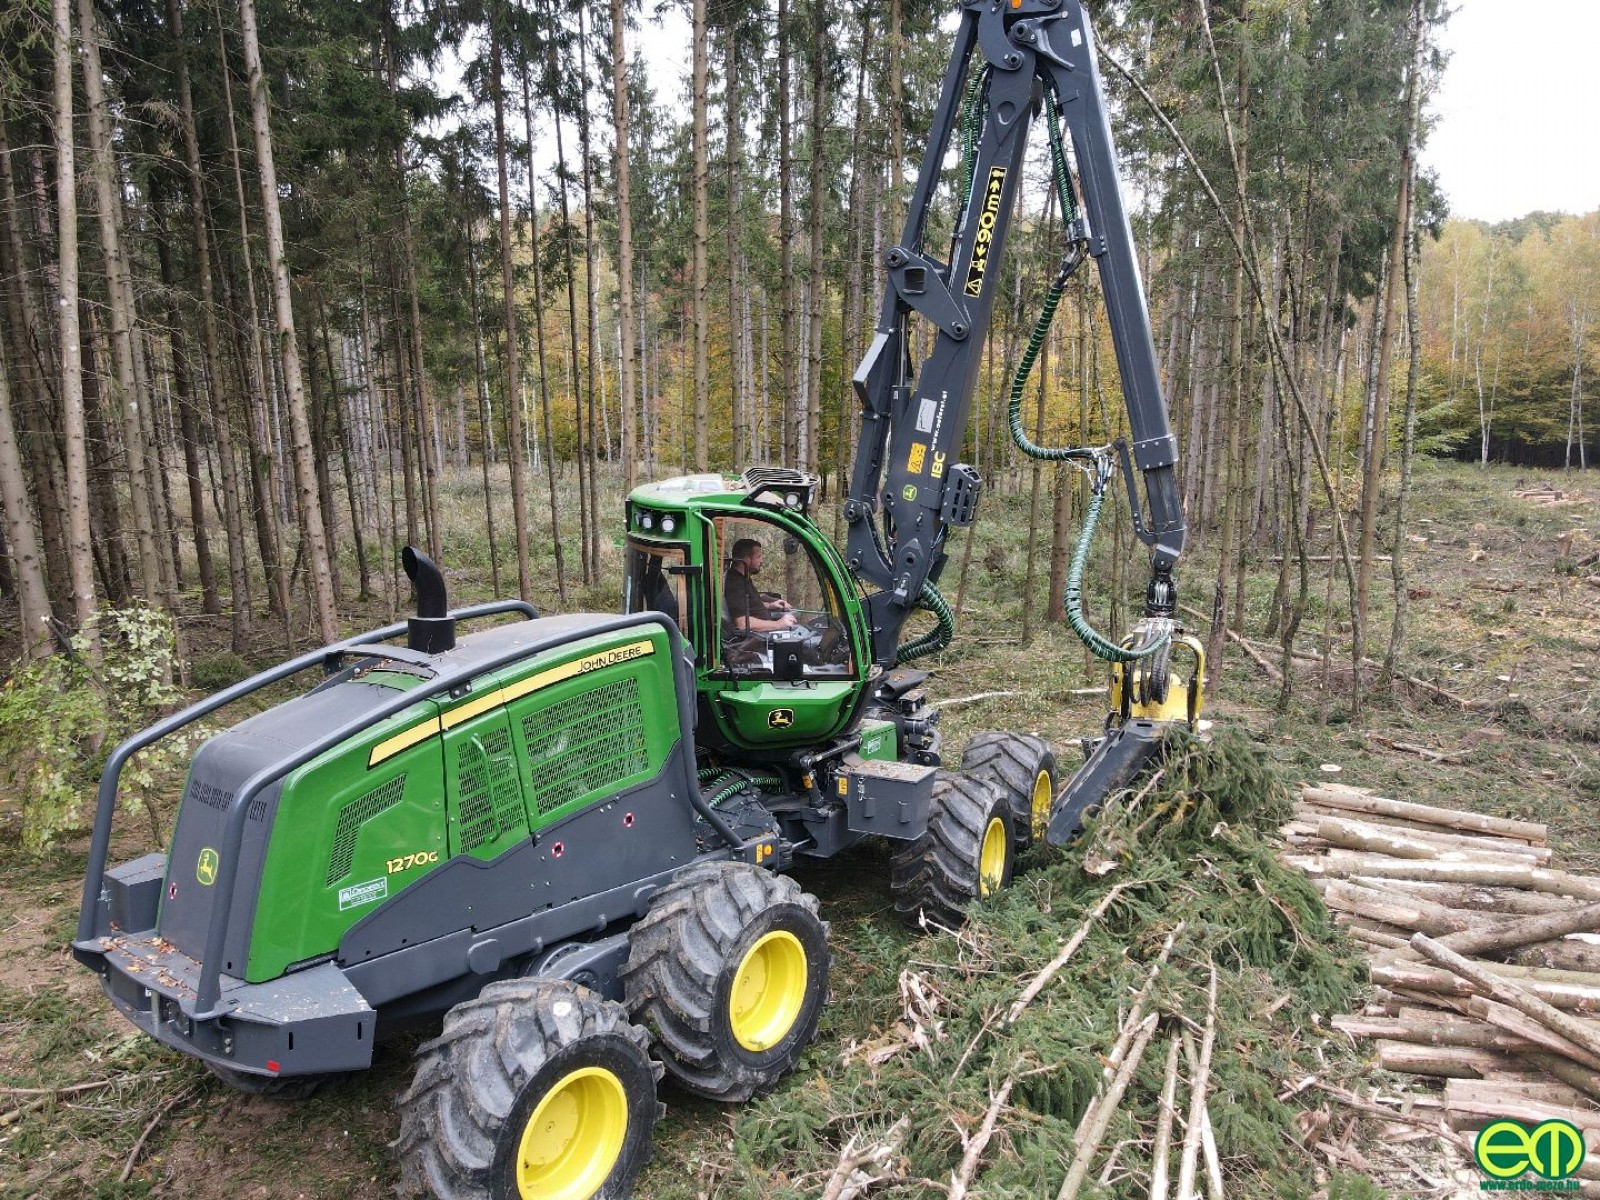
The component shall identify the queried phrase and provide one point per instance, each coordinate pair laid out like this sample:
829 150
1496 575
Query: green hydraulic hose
970 112
935 639
723 788
1072 601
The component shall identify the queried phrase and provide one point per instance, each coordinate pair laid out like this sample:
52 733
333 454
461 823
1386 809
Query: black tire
717 924
938 874
480 1083
1017 763
295 1087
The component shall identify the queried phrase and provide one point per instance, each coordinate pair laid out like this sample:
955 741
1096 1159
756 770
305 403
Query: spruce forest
280 278
288 285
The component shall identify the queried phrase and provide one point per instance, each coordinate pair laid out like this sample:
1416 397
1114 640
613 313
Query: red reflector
272 1065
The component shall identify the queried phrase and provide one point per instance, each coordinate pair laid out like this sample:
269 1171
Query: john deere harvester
569 835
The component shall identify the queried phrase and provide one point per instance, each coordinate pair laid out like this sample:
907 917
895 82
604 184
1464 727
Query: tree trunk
819 198
79 547
519 505
320 452
1410 254
33 400
22 535
539 347
189 422
619 114
595 358
314 539
424 411
480 383
702 379
129 399
733 124
263 463
585 517
342 432
897 104
786 331
238 578
109 548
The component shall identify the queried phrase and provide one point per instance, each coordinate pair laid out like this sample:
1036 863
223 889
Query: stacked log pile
1483 956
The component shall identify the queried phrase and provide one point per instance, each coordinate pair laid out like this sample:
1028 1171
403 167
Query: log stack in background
1484 959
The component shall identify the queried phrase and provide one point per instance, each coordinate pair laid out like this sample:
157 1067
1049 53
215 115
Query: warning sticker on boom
987 216
914 459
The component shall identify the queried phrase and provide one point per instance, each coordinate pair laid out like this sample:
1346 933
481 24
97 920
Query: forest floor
1501 617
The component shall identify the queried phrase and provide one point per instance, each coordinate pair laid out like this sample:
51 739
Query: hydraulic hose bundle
1095 461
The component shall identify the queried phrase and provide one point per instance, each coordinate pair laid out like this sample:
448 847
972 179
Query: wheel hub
992 857
1039 806
768 991
572 1141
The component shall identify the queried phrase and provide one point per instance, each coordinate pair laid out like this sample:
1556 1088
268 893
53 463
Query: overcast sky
1517 112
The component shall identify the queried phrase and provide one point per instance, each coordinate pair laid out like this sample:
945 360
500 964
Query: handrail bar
106 798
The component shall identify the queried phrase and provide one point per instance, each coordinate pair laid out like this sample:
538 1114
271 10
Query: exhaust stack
432 630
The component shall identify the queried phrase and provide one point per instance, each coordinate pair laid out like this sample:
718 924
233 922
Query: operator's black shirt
743 598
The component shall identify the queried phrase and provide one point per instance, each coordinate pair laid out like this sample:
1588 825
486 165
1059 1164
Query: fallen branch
1130 1027
1197 1095
1268 668
961 1180
1438 756
1413 844
1508 935
1060 960
849 1179
167 1106
981 696
1208 1148
1092 1129
1449 1062
1511 902
22 1110
1163 1149
1467 1034
1516 1024
1352 1101
76 1088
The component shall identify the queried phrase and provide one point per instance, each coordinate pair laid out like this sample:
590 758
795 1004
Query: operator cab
764 602
731 563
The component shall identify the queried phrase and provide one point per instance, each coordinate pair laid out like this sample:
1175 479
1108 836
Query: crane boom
906 488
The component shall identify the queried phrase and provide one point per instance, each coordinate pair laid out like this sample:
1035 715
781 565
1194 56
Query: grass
1530 745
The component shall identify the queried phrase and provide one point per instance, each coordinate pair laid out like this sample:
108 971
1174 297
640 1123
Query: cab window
779 615
650 584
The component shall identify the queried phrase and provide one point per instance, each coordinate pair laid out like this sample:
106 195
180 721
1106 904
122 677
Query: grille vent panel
352 817
209 795
585 743
490 793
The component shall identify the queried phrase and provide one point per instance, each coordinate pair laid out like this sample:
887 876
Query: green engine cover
471 775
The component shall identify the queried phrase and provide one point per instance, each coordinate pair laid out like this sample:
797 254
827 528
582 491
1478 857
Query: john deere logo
206 869
1507 1150
780 718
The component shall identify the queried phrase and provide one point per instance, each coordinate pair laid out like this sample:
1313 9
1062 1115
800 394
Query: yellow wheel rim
1044 795
992 858
769 989
572 1141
